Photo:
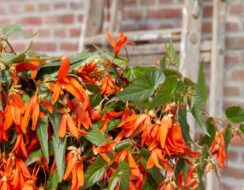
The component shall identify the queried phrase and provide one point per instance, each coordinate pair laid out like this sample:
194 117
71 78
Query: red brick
132 14
233 172
66 19
76 5
44 46
31 20
232 58
19 47
235 42
3 10
207 27
5 21
74 32
232 27
69 46
232 155
60 33
147 2
226 187
208 11
44 6
29 7
130 2
50 19
231 91
164 13
237 9
237 140
237 74
165 1
15 8
43 32
60 5
80 17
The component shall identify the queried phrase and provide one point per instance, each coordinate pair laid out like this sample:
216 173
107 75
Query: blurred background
59 23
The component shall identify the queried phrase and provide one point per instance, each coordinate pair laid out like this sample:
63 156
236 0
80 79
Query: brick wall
58 24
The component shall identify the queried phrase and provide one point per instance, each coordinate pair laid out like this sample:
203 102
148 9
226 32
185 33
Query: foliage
89 121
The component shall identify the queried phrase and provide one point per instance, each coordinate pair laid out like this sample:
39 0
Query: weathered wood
190 44
93 20
135 36
159 48
217 72
116 15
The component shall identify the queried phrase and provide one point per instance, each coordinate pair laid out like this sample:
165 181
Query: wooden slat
149 49
116 15
217 73
136 36
190 45
93 19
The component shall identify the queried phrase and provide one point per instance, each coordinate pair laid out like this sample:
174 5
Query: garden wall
58 24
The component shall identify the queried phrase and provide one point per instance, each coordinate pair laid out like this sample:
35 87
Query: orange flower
67 123
26 66
3 133
20 174
155 157
166 185
108 116
133 125
218 149
86 71
68 84
74 168
19 146
121 42
13 111
108 86
82 116
104 149
32 110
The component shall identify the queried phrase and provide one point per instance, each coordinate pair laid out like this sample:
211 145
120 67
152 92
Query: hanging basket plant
89 121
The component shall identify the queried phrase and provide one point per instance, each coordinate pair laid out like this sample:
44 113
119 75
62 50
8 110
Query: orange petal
111 39
64 68
72 128
56 91
62 126
70 165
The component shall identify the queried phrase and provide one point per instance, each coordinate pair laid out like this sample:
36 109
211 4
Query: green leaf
132 73
171 72
119 61
7 57
120 176
112 124
125 144
95 136
165 92
179 167
95 99
196 110
95 172
59 145
201 83
13 30
242 128
185 128
19 58
227 136
208 139
143 88
42 134
149 184
52 182
235 114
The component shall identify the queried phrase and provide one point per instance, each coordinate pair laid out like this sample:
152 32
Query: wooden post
93 20
217 72
116 15
190 44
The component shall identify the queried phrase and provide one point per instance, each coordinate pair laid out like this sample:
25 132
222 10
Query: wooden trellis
187 39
